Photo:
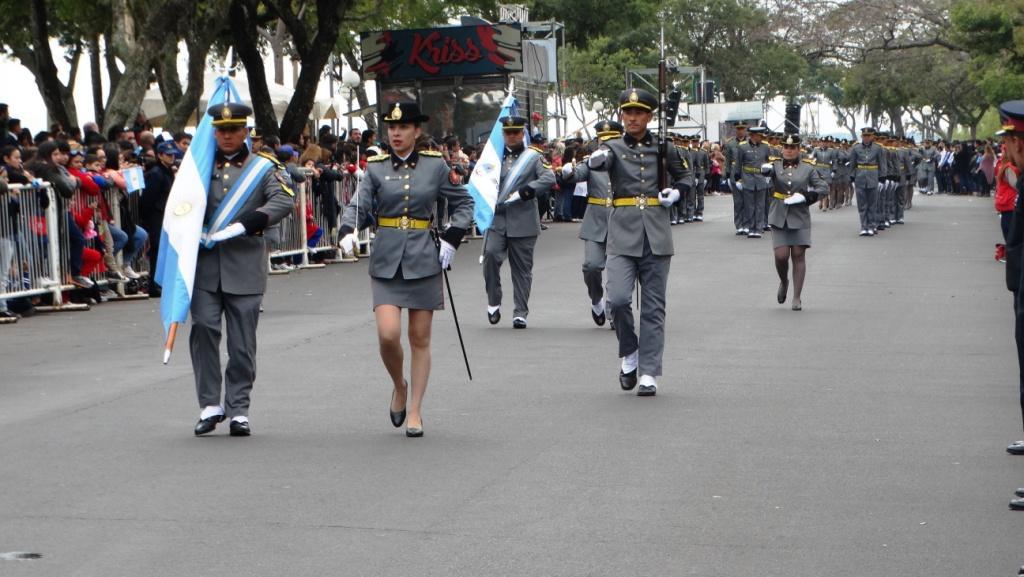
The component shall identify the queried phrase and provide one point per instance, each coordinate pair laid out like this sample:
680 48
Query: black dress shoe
240 429
519 323
1016 448
647 391
495 317
414 431
1019 493
627 380
208 424
397 417
783 289
1017 504
599 319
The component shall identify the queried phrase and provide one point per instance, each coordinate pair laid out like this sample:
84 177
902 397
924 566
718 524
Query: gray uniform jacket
839 162
595 220
731 163
926 167
238 266
521 218
701 163
864 162
632 166
407 188
750 158
802 177
908 171
824 162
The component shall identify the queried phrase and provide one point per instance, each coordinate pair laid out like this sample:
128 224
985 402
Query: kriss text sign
396 55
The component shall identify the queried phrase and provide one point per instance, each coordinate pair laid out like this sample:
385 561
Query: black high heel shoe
414 431
397 418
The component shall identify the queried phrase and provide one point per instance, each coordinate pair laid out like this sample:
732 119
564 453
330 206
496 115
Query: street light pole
350 80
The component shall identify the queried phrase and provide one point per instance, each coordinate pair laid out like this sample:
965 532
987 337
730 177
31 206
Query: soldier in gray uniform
823 159
749 157
594 230
795 186
516 225
683 211
406 264
865 159
231 271
701 169
926 168
841 176
639 237
907 172
729 173
885 181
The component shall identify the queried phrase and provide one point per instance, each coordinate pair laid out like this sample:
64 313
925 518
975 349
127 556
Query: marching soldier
513 233
749 157
795 186
639 237
929 159
840 175
701 171
906 192
594 230
406 265
682 212
729 173
823 160
865 159
246 195
885 176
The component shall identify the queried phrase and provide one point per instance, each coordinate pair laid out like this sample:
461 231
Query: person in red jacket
1005 198
83 209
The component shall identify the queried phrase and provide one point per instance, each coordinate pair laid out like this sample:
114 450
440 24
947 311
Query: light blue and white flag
483 183
183 217
134 179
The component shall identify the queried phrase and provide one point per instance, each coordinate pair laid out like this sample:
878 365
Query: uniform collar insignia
238 159
396 162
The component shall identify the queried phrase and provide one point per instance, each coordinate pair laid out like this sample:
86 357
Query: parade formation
197 221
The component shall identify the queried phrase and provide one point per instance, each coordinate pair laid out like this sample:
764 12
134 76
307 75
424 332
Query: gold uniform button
406 197
406 187
406 209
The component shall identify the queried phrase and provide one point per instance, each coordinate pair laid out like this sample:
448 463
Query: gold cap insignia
225 113
396 114
634 97
183 209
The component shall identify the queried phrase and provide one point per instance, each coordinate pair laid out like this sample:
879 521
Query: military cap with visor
513 123
1011 114
609 127
229 114
405 112
637 98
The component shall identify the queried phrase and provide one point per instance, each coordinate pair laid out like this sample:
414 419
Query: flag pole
169 345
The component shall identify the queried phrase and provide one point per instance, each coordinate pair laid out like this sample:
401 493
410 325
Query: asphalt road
863 436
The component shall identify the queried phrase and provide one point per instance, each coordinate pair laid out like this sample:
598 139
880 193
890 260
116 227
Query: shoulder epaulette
271 158
378 158
433 153
609 137
808 161
537 148
284 183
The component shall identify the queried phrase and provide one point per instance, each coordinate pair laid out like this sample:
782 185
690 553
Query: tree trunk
177 116
59 106
97 79
313 57
245 34
113 72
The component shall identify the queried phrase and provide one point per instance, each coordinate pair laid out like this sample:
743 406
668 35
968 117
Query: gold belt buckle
608 202
641 202
404 223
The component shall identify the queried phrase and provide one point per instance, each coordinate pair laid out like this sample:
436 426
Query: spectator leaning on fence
159 179
48 165
9 209
136 235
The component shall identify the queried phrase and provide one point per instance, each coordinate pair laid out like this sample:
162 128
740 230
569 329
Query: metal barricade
124 209
344 191
33 246
291 238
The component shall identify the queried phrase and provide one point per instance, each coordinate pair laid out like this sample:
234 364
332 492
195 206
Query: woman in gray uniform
795 186
406 262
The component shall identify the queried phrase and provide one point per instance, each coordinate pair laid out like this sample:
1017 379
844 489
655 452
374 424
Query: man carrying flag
516 225
244 195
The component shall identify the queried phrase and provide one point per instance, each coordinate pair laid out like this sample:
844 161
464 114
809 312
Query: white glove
797 198
348 242
766 168
514 197
567 170
446 254
230 232
597 158
668 197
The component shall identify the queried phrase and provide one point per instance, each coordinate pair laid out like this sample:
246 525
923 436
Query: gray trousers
241 315
519 251
755 217
702 188
866 200
738 207
690 203
622 275
594 259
